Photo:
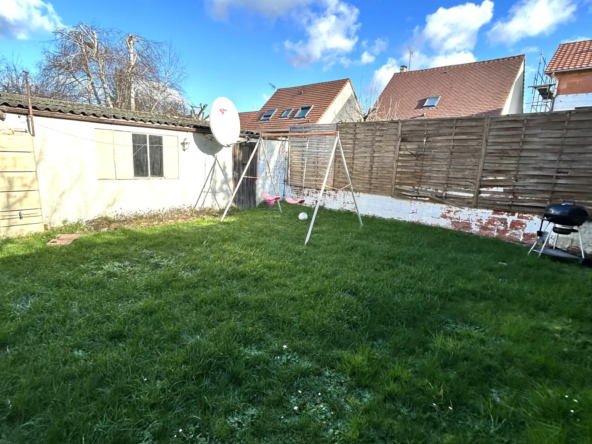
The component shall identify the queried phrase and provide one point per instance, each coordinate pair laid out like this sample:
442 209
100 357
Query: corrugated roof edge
65 109
522 56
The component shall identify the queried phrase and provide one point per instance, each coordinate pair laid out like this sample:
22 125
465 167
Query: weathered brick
496 222
512 235
462 226
517 225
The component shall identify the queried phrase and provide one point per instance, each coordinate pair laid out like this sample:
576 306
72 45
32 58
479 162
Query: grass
204 332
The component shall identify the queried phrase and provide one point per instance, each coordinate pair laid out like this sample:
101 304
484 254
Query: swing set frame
336 143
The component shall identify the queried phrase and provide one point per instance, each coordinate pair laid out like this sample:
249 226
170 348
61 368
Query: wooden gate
20 205
247 194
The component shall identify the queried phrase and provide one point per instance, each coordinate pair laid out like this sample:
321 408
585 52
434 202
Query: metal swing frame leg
314 216
210 178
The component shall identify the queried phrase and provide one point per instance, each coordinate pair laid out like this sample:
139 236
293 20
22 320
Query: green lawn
224 333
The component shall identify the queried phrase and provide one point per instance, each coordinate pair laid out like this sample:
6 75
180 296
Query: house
488 88
571 65
317 103
86 161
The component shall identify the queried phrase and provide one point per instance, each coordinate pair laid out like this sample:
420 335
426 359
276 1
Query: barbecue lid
566 214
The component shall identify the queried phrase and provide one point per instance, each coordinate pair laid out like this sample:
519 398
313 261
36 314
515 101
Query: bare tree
373 106
109 68
12 78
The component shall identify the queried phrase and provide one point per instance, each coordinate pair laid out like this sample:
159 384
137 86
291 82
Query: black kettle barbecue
565 219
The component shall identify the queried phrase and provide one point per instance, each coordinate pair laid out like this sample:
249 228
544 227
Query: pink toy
294 202
270 200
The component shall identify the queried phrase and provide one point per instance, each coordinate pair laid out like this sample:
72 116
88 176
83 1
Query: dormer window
303 112
286 114
267 115
431 102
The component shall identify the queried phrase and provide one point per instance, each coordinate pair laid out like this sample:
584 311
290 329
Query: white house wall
343 101
571 101
515 102
67 170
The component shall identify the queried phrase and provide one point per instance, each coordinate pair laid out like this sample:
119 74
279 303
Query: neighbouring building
571 65
317 103
488 88
87 161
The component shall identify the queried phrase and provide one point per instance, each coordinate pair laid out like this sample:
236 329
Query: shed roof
83 109
320 95
571 56
470 89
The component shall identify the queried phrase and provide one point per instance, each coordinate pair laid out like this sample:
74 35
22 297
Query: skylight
267 115
286 114
303 112
431 102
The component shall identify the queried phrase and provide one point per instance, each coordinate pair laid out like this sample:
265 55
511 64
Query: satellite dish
224 121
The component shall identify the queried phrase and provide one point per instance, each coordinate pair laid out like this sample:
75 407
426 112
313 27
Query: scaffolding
543 89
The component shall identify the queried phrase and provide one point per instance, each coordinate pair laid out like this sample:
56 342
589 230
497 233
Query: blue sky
235 48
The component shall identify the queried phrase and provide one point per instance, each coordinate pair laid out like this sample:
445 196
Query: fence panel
510 163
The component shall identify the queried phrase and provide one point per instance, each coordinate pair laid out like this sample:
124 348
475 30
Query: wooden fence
511 163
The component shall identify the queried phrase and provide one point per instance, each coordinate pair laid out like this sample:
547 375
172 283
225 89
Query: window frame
310 107
425 104
263 119
287 116
148 159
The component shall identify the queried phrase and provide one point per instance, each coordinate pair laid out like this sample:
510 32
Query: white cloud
451 34
265 97
529 18
455 29
21 18
384 74
576 39
528 49
367 58
379 46
266 8
331 33
454 58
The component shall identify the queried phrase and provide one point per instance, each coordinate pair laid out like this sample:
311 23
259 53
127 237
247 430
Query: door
247 194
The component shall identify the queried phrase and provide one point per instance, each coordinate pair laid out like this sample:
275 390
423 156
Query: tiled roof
320 95
479 89
82 109
246 117
575 55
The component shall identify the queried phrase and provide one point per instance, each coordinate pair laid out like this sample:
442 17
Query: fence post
481 162
397 147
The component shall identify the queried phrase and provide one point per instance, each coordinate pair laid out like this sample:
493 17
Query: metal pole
351 187
322 191
271 174
223 173
203 188
241 179
30 106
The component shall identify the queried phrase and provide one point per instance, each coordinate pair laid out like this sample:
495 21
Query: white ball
303 216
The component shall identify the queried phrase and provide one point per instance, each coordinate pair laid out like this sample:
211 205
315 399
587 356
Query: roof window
267 115
303 112
286 113
431 102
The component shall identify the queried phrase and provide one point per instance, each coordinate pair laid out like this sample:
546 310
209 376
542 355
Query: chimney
403 68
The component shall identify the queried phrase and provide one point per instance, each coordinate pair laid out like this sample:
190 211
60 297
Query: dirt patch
147 219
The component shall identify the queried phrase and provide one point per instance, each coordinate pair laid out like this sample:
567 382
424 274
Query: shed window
431 102
267 114
303 112
286 114
148 155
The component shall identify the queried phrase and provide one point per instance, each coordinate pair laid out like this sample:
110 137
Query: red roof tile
479 88
246 117
320 95
575 55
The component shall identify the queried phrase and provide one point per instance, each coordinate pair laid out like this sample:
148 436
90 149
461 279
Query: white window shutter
171 157
105 155
124 156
